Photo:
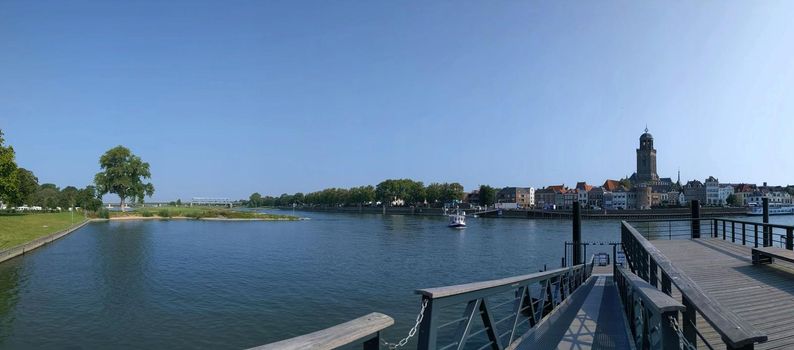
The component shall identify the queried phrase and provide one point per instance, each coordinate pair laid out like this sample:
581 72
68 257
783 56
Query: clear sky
226 98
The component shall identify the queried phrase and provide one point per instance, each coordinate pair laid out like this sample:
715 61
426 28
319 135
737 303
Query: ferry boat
457 220
773 210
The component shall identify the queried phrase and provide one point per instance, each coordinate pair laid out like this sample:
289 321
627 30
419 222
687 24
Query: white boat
773 210
457 220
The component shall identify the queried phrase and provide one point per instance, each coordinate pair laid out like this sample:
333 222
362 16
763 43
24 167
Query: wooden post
744 234
723 230
427 330
577 234
669 335
689 320
790 238
714 228
695 218
733 232
767 231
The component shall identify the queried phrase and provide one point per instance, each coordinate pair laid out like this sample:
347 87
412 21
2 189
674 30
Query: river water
230 285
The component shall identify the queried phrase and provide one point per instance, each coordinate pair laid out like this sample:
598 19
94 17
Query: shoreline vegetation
195 213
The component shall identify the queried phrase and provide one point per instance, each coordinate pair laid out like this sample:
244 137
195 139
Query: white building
712 191
725 192
620 200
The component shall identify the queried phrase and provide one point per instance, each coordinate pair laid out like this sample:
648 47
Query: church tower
646 159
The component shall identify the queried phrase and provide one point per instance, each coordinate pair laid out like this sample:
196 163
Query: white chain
685 344
413 330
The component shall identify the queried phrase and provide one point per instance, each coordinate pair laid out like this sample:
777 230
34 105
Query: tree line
122 174
392 192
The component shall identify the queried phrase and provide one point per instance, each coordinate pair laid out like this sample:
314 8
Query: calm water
230 285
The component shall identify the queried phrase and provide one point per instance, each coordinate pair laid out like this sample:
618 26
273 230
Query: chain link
685 344
413 330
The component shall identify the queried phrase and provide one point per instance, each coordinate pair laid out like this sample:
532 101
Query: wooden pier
696 283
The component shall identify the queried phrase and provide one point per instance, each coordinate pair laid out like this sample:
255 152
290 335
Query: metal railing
647 262
368 326
683 228
651 314
494 314
754 233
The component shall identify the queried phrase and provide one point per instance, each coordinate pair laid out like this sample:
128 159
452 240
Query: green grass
199 213
16 229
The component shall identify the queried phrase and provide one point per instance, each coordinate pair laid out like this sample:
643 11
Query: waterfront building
544 197
524 197
549 197
712 191
672 199
619 200
568 197
725 190
582 190
742 191
595 197
643 197
694 190
607 200
472 197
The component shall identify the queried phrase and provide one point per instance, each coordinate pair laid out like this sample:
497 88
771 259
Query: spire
646 128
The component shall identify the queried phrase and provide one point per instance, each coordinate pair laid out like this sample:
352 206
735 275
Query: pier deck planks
763 295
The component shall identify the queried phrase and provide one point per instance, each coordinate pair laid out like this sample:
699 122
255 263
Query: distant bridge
211 201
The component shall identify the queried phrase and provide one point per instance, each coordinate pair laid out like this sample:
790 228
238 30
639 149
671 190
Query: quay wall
667 213
26 247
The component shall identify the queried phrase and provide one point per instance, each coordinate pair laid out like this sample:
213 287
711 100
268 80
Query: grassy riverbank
199 213
16 229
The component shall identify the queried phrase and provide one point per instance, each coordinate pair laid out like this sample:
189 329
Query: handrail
648 309
505 306
767 233
734 331
653 297
667 220
752 223
492 286
337 336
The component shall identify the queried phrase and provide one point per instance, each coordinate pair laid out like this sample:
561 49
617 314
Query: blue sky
229 97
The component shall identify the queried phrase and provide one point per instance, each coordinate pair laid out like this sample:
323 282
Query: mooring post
577 234
767 231
695 218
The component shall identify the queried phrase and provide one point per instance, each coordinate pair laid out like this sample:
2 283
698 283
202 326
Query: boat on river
756 210
457 220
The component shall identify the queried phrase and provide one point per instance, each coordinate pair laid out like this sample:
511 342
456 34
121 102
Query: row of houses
614 195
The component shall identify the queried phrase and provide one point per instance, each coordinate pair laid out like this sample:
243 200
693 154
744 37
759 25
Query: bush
147 214
104 214
164 213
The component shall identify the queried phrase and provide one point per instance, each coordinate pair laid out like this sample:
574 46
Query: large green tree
87 199
46 196
68 197
487 195
8 173
255 200
123 174
27 184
